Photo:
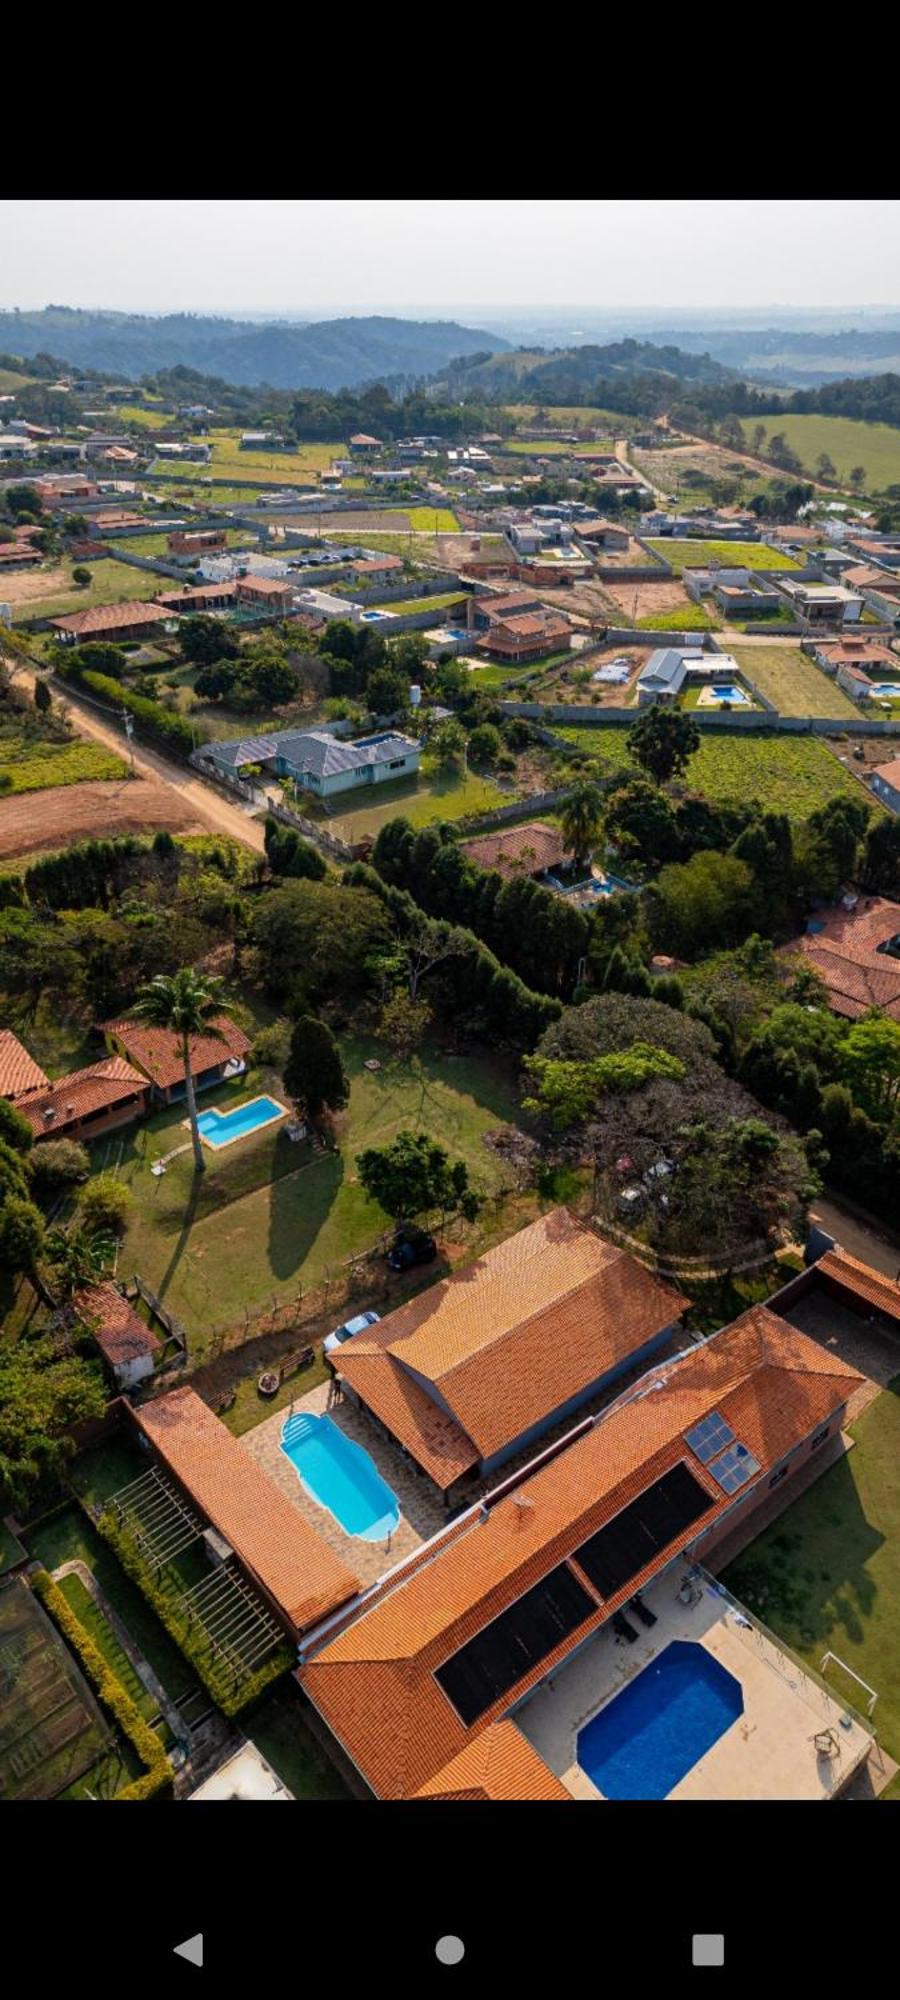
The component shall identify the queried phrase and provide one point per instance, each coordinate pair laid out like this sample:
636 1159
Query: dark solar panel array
491 1663
709 1437
657 1517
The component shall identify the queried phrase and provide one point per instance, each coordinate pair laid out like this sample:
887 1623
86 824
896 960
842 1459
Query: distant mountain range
329 354
570 374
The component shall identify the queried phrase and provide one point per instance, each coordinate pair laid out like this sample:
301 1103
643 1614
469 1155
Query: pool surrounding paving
339 1475
221 1128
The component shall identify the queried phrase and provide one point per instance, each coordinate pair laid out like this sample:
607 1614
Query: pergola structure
235 1623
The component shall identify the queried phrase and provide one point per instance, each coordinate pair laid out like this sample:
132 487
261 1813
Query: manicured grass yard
111 583
408 606
277 468
35 766
794 683
688 554
276 1218
431 520
427 797
688 617
825 1575
787 774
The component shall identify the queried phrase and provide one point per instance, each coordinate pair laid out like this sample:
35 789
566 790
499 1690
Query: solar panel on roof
734 1467
709 1437
500 1655
655 1519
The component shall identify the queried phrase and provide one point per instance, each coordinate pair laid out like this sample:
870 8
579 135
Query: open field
287 1216
300 467
787 774
793 682
552 448
575 416
145 418
158 545
92 808
825 1577
52 594
636 601
35 766
698 620
408 606
875 446
688 472
11 380
688 554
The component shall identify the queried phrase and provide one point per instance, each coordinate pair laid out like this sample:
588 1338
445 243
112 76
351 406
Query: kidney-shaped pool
340 1476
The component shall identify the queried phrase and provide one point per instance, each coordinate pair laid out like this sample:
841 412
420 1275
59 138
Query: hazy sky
275 256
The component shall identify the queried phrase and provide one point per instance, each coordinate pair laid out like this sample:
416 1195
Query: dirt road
219 814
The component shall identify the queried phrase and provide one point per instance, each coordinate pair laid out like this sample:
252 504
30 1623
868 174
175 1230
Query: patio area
769 1752
421 1509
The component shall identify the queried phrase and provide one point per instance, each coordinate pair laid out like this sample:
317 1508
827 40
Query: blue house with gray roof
319 762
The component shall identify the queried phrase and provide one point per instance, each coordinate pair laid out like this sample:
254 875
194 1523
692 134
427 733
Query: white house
321 764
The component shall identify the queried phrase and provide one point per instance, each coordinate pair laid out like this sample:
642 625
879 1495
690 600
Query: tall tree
663 741
187 1004
314 1075
581 818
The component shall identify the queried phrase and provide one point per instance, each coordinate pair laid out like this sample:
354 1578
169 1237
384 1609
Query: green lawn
275 1219
34 766
11 380
407 606
278 1729
432 520
98 1628
431 795
688 554
787 774
794 683
111 582
278 468
825 1575
158 544
848 443
146 419
687 617
69 1536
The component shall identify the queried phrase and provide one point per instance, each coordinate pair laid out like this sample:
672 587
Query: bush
271 1046
104 1205
170 732
115 1698
15 1130
57 1163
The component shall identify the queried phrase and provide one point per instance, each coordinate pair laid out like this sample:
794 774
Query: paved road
217 812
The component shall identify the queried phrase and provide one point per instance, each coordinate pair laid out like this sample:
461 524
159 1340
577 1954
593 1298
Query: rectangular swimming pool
221 1128
648 1737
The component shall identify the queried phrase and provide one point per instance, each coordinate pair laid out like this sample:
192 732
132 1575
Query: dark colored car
411 1246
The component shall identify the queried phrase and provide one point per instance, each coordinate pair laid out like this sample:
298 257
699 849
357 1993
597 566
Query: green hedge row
191 1645
115 1698
168 732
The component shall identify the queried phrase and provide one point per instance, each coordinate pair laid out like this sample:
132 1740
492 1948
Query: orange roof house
19 1073
293 1566
129 620
128 1345
518 851
88 1101
157 1054
847 950
478 1366
408 1692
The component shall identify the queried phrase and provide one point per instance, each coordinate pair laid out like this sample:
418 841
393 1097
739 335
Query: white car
346 1332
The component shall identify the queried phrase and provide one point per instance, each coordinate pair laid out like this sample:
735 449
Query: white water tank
415 695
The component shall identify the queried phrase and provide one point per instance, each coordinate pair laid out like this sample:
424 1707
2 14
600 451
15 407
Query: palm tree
78 1258
582 820
187 1004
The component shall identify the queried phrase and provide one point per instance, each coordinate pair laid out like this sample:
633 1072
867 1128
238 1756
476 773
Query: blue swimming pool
731 695
648 1737
219 1128
340 1476
890 690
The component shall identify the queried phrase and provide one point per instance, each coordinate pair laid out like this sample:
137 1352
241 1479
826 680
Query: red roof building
847 950
88 1102
128 1345
19 1073
156 1053
518 851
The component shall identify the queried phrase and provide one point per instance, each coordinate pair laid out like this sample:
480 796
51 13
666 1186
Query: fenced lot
688 554
791 680
426 797
51 1730
52 594
792 774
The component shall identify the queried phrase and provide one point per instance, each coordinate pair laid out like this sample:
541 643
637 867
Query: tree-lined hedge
168 732
110 1691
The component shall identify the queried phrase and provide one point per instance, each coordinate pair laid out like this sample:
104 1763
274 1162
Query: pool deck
421 1510
768 1753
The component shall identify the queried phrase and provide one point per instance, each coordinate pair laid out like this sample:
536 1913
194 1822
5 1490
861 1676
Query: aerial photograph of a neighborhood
449 1002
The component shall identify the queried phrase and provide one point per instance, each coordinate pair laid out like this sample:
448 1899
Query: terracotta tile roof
373 1682
866 578
156 1050
845 954
267 1533
120 1333
874 1287
194 592
857 652
530 624
97 1088
264 586
535 846
100 618
375 565
889 773
507 606
498 1764
19 1072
